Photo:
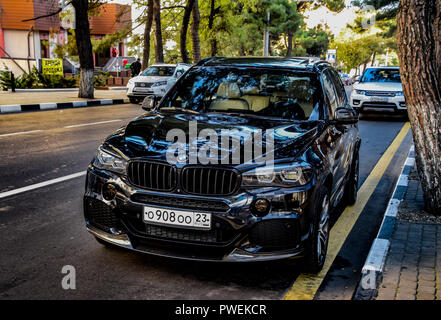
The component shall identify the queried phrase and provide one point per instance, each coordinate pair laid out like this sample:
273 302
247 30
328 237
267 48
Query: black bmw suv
242 160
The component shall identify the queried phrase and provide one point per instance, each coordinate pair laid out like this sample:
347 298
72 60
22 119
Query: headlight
292 175
399 94
360 92
159 84
108 160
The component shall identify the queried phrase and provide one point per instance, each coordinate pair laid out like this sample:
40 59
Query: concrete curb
4 109
372 271
63 89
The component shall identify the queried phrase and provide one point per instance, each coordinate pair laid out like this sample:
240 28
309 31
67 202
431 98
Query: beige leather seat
228 96
299 90
255 101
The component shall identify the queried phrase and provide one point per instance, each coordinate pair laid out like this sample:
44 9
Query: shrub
101 79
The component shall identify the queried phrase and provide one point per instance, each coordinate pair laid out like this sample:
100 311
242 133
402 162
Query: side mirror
179 73
357 79
346 115
149 103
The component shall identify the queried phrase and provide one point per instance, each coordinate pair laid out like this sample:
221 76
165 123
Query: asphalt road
43 230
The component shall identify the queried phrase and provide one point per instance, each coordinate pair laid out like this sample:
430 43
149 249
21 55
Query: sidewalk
20 98
413 264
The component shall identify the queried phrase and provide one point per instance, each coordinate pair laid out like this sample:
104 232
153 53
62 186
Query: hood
146 136
379 86
149 79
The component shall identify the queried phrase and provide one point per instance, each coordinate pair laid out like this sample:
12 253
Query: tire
317 244
134 100
351 186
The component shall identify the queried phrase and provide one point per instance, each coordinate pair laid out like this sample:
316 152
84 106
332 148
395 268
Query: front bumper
236 234
136 92
364 103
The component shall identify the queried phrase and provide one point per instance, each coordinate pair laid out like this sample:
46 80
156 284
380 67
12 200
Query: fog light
355 102
261 207
109 191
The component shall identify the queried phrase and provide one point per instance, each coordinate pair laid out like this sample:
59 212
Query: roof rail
204 61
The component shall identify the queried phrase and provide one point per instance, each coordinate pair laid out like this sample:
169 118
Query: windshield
381 75
158 71
273 93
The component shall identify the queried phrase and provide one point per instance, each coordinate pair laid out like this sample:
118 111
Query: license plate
142 89
201 220
379 99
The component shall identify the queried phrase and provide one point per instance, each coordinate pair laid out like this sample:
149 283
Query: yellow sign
52 66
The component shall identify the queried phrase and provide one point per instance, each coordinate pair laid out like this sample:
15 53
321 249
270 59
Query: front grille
100 215
183 203
210 236
143 84
374 104
275 234
152 175
220 234
380 93
209 181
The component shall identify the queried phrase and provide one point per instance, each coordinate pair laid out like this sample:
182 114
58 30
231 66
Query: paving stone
405 296
425 296
426 290
407 284
382 295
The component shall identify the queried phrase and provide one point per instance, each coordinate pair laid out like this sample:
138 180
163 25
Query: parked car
142 195
155 80
347 81
379 89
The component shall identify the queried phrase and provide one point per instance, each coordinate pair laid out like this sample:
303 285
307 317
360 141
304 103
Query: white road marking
41 184
92 123
17 133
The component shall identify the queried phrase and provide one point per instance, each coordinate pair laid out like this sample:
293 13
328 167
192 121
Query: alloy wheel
323 231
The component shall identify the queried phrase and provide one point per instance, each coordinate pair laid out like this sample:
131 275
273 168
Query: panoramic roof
294 62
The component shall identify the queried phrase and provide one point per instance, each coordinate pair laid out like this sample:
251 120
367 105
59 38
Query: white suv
379 90
154 81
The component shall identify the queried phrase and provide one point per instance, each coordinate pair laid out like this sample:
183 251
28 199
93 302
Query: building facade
25 40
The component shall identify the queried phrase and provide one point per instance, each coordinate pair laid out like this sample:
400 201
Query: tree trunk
270 50
213 41
195 32
184 28
289 49
373 59
84 45
419 51
159 50
147 31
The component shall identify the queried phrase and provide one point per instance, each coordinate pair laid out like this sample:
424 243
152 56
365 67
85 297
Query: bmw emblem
182 158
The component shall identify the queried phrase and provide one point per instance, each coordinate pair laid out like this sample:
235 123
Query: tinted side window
339 87
330 90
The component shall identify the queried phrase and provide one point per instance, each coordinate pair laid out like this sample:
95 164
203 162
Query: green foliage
314 41
5 79
51 81
356 52
35 79
101 79
385 16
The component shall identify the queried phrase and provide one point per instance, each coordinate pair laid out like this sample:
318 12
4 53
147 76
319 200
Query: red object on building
124 62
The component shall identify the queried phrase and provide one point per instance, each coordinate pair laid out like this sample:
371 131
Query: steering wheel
290 110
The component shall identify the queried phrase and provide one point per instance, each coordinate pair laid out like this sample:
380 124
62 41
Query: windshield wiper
246 113
179 109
